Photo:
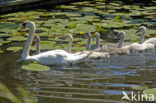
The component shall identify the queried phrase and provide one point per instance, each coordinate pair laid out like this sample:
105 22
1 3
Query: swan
143 30
95 54
53 57
69 37
111 48
37 41
89 36
97 38
142 46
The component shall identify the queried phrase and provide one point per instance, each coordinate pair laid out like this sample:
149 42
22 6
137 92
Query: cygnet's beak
115 37
137 31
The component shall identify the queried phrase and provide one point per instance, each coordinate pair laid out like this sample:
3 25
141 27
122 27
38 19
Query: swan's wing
149 46
151 40
52 57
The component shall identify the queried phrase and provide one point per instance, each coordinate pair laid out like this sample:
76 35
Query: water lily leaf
71 7
17 38
8 27
35 67
15 49
45 45
150 92
83 28
3 42
1 51
89 9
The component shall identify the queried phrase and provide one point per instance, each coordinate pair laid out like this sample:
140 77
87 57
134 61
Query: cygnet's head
97 36
87 35
141 29
28 24
69 37
36 38
120 35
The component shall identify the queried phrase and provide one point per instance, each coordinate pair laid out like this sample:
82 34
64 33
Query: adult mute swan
95 54
53 57
112 48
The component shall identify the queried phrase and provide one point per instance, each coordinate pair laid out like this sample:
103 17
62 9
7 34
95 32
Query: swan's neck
38 46
69 45
121 42
28 42
97 42
89 42
142 38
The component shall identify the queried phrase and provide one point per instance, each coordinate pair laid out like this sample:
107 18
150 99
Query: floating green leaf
150 92
35 67
17 38
15 49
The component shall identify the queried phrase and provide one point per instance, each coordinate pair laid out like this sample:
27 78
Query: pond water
96 81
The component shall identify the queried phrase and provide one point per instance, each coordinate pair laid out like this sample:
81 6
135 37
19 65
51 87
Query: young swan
95 54
53 57
143 46
142 29
113 49
37 42
69 37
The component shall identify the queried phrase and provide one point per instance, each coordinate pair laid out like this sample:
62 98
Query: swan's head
87 35
37 38
97 36
69 37
141 29
28 24
120 35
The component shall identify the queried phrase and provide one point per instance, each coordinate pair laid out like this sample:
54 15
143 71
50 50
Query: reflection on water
96 81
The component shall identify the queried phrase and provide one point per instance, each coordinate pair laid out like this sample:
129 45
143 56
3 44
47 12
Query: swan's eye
24 25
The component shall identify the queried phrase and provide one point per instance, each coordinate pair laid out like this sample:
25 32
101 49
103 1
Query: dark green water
98 81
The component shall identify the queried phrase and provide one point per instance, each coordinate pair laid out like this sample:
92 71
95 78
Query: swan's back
51 57
151 40
58 57
113 50
136 47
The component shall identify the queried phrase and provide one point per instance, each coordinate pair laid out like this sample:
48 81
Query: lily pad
15 49
17 38
35 67
150 92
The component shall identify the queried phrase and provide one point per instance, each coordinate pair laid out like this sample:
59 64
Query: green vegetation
78 18
35 67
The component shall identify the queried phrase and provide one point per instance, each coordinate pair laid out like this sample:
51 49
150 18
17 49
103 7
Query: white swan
53 57
112 48
95 54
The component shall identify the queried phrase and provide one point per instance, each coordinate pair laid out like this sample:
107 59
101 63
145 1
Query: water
96 81
85 83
